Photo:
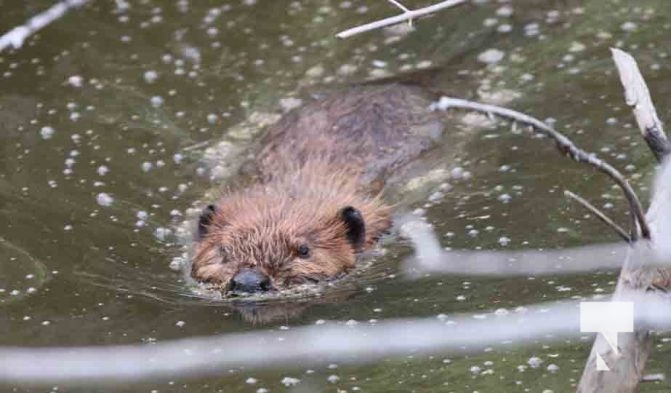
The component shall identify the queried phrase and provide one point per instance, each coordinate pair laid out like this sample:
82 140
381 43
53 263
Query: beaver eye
222 253
303 251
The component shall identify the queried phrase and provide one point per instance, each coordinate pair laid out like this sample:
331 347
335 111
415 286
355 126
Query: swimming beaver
316 199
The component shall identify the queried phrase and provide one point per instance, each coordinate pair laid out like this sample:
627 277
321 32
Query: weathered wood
639 273
637 96
626 366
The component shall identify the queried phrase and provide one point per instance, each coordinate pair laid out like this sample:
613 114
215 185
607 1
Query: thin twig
407 15
399 5
599 214
565 146
638 97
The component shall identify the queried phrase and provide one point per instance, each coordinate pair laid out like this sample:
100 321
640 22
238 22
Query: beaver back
375 129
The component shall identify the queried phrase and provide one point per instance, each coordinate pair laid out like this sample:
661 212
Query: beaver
316 199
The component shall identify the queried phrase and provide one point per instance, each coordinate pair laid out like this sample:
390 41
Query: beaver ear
205 220
356 228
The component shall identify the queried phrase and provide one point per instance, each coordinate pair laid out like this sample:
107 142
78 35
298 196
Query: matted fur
262 227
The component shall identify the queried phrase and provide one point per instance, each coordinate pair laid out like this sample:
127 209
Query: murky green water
106 118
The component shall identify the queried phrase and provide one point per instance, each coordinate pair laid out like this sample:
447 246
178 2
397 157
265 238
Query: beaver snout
249 281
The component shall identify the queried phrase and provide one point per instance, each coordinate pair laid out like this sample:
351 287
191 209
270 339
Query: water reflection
135 96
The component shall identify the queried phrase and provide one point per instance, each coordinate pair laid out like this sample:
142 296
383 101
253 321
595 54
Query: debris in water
75 81
150 76
534 362
491 56
104 199
47 132
289 381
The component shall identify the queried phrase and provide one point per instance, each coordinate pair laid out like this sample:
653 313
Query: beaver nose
250 281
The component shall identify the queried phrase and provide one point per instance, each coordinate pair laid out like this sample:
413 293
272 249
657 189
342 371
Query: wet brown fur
330 154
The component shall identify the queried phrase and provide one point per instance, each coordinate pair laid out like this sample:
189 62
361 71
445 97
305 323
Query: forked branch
407 15
565 146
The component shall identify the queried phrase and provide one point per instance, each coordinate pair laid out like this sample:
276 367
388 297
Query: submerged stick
565 146
408 15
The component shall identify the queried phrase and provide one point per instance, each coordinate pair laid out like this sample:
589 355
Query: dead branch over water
17 36
627 364
565 146
407 15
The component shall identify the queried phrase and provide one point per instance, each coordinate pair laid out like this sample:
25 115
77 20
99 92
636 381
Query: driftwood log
638 273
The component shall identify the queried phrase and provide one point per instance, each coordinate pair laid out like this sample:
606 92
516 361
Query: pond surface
121 119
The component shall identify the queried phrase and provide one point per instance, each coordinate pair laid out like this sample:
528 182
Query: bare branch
637 96
599 214
405 16
313 345
16 37
564 145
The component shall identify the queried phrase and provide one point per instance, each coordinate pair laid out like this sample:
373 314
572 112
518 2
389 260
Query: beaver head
268 244
304 227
